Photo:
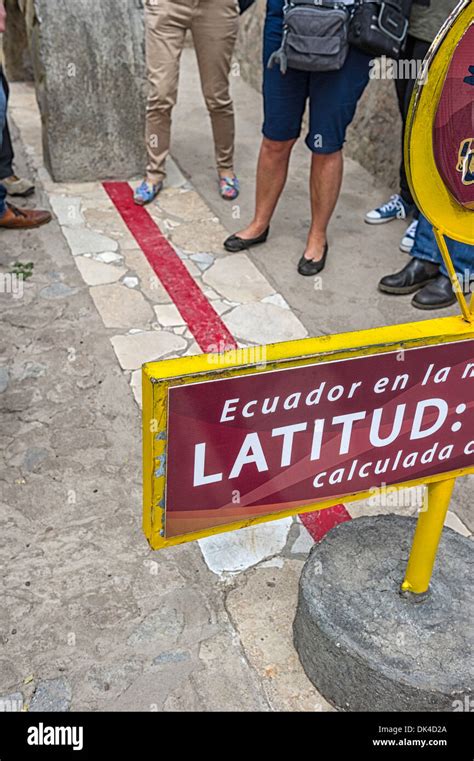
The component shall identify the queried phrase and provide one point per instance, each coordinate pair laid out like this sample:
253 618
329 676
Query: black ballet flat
308 267
233 243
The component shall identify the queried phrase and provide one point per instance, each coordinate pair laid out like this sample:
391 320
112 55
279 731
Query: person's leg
423 265
333 101
6 148
401 204
462 255
15 186
6 154
425 246
439 293
10 216
3 117
413 57
166 23
325 186
272 171
401 88
284 100
214 29
401 82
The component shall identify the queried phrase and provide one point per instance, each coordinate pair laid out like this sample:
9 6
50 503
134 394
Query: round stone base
364 646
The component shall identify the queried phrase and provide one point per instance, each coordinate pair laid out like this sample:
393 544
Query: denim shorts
332 95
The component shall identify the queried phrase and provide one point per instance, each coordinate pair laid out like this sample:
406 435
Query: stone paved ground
92 619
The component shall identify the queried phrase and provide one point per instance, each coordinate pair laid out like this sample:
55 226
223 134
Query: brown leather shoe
23 219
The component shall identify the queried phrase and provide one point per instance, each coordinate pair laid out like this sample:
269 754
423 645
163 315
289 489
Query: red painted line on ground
322 521
203 321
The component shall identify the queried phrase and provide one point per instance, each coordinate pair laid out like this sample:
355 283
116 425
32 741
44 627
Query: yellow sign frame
159 376
447 217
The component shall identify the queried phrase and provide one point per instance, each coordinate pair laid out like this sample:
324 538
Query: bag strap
403 6
334 5
279 57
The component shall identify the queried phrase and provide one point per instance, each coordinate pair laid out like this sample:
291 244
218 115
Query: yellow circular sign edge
426 184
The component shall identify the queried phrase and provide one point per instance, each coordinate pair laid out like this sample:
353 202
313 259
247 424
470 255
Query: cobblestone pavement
92 619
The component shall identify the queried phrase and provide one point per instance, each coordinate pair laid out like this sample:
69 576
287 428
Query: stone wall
373 138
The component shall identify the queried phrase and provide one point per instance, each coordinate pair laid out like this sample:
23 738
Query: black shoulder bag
380 27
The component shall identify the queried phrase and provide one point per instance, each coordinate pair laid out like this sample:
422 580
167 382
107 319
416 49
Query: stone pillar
18 65
248 50
88 60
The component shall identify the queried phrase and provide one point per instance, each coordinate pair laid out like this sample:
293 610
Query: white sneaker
16 186
406 243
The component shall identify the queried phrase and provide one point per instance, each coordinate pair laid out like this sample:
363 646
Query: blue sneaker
395 208
406 243
146 192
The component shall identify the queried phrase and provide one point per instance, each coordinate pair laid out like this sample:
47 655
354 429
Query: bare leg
272 171
325 184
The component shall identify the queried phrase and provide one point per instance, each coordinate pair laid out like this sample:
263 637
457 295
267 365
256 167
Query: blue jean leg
425 247
3 116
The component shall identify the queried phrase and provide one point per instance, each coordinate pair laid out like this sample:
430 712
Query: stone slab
230 553
137 348
97 273
121 307
263 324
262 605
51 695
236 278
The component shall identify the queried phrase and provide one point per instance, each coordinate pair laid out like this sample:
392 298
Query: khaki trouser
214 26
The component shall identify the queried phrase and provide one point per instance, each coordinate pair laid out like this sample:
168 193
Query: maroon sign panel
253 445
453 133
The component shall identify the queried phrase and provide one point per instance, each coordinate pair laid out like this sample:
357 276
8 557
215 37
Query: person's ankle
315 246
256 228
317 238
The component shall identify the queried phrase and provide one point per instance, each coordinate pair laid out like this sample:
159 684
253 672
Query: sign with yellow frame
229 443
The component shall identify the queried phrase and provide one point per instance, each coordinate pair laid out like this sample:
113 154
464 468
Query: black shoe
233 243
411 278
309 267
436 295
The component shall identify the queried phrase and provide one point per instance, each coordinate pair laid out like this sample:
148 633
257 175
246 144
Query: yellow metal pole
427 535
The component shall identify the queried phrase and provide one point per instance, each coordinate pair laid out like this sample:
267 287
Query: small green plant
23 270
